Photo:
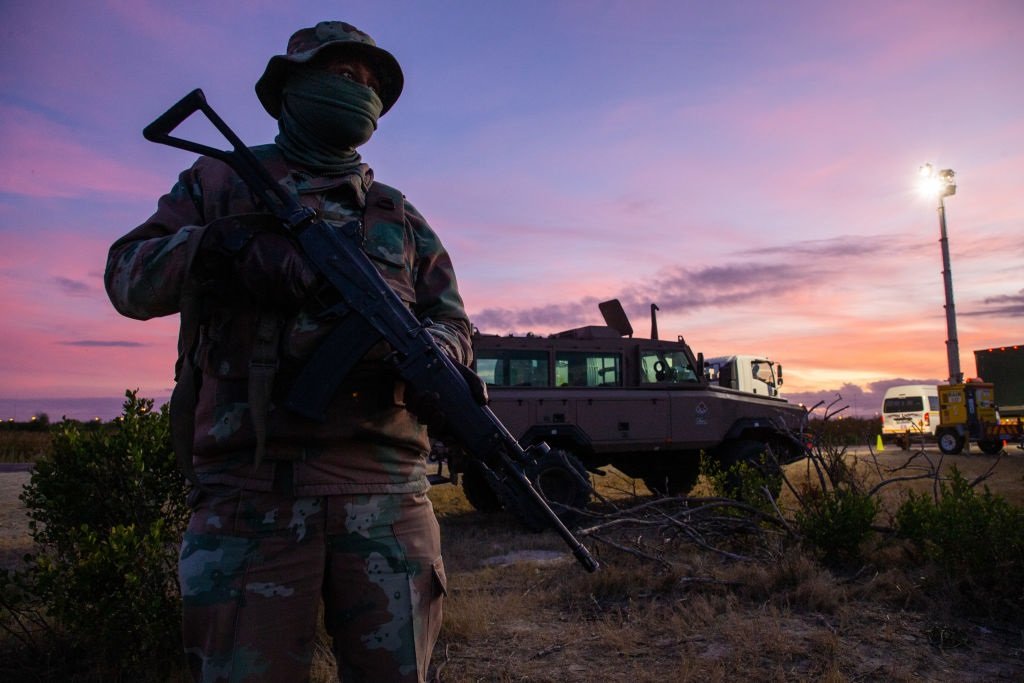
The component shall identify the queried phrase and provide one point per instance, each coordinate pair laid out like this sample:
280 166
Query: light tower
941 184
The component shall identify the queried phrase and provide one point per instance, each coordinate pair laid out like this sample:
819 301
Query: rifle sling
184 397
262 369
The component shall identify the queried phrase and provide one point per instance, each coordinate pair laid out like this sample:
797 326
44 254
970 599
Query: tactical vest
385 210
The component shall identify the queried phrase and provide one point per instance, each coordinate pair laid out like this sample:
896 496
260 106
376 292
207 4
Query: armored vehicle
598 397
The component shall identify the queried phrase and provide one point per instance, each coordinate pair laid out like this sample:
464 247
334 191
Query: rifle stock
337 255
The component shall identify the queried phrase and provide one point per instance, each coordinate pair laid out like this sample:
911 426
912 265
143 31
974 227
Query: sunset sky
748 166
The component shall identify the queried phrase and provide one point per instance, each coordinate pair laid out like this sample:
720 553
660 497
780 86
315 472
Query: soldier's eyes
351 75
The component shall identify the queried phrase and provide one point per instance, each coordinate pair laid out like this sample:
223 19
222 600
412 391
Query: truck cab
752 374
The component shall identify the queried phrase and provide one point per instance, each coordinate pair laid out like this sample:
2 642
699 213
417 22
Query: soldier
289 512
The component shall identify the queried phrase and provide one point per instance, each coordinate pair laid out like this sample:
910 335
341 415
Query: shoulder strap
384 204
186 388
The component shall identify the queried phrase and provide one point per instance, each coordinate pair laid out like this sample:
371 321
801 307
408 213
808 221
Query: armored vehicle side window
513 368
665 367
587 369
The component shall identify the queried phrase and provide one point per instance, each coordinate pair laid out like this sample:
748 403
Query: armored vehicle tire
950 442
478 492
562 480
667 474
787 451
990 447
673 481
752 453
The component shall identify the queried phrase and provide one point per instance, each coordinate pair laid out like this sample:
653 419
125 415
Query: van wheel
950 442
990 447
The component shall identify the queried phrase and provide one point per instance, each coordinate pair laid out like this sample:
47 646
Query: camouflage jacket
369 443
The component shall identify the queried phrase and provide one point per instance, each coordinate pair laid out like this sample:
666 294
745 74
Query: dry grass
1006 472
22 445
704 618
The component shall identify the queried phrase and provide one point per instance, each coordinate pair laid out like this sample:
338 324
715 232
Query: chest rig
384 207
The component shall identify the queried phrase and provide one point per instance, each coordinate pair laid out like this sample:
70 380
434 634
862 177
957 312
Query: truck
1003 366
600 397
753 374
987 409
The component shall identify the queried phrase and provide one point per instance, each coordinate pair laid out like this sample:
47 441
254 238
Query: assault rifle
369 311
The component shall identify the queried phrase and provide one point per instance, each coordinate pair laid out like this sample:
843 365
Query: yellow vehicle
967 412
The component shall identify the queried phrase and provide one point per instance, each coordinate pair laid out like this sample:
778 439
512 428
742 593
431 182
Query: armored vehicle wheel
562 480
752 453
673 481
478 492
787 450
990 447
950 442
667 474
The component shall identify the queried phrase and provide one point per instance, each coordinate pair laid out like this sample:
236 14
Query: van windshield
903 404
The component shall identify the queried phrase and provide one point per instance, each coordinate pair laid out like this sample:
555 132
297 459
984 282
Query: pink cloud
39 158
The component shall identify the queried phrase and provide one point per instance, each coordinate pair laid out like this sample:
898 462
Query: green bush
107 511
976 539
836 522
745 479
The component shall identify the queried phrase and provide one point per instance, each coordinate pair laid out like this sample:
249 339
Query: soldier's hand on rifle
254 253
477 387
427 406
273 270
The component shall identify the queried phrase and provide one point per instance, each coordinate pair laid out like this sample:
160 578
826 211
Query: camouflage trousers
255 566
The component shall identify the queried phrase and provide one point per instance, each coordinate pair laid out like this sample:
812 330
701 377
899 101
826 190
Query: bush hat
335 36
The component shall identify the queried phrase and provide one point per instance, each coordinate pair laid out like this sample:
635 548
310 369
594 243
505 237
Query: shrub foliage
107 510
977 539
835 522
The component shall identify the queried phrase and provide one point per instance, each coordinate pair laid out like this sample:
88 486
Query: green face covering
324 117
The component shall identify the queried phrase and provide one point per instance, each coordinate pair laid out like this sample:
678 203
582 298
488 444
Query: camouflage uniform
337 510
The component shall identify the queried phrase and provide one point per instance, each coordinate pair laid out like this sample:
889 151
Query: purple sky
748 166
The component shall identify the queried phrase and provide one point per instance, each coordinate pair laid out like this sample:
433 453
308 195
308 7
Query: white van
910 411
